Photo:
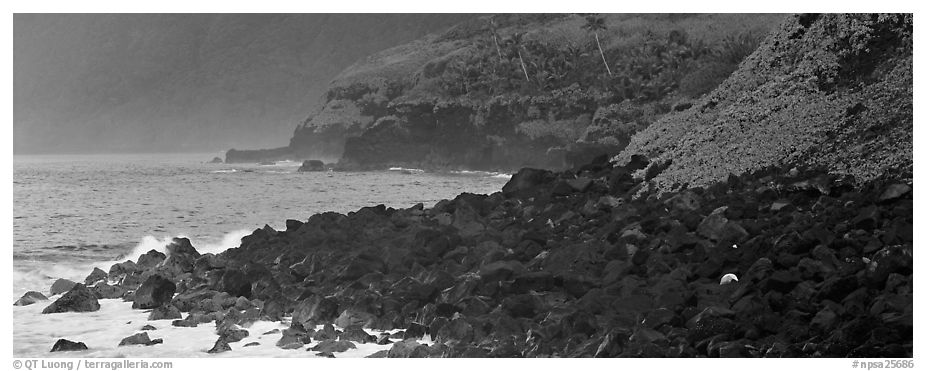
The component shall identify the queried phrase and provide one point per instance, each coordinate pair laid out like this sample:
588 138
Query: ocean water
73 213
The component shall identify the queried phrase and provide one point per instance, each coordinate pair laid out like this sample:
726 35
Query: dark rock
379 354
97 275
351 317
718 228
78 299
235 283
184 323
327 333
216 160
525 181
180 257
30 297
293 225
580 184
415 331
356 334
61 285
148 328
312 165
103 290
710 322
154 292
64 345
150 259
456 330
894 259
333 346
220 346
164 312
408 348
325 354
316 309
251 344
140 339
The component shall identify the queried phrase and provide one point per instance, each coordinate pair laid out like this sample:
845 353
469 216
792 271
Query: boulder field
781 262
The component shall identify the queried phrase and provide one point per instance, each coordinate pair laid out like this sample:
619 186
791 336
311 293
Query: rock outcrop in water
30 298
65 345
78 299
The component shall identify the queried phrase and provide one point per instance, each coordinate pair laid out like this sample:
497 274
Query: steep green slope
829 90
507 91
191 82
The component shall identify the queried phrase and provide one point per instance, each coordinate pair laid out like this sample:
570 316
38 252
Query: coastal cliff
506 91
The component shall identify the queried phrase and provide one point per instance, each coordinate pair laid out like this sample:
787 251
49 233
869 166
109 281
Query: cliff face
185 82
827 90
508 91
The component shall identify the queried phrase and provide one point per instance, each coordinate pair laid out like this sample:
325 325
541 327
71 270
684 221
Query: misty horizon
185 83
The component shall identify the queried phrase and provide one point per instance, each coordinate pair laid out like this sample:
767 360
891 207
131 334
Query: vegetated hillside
830 90
191 82
508 91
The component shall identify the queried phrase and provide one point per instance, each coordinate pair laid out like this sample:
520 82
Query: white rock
727 278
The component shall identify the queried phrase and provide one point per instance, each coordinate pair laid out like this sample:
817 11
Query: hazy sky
89 83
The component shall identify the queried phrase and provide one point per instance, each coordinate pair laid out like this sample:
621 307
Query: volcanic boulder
79 299
154 292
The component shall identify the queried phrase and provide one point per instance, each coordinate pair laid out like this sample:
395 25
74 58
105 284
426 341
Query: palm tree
595 24
493 28
516 40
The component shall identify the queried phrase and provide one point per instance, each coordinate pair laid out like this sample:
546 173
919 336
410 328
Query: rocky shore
590 262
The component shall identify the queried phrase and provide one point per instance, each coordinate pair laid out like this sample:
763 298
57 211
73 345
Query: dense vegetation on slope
192 82
830 90
507 91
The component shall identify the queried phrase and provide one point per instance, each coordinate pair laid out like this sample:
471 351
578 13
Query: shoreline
578 264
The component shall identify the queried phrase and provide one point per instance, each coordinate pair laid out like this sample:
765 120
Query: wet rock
103 290
316 309
235 283
351 318
311 165
221 346
415 331
408 348
64 345
456 330
333 346
356 334
327 332
325 354
30 297
154 292
164 312
379 354
150 259
78 299
184 323
61 285
140 339
95 276
180 257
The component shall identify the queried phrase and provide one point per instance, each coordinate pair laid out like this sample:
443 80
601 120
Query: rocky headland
506 91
